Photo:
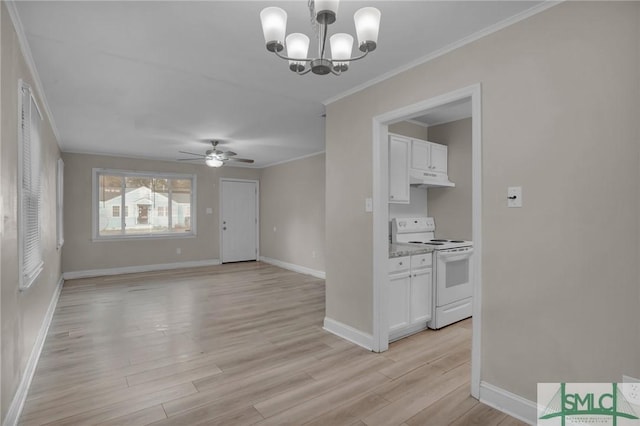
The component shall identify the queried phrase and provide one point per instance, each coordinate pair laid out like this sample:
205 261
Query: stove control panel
404 225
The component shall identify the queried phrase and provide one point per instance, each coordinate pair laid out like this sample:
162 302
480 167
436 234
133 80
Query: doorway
238 220
381 216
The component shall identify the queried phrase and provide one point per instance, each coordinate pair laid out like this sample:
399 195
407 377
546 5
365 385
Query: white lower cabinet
409 295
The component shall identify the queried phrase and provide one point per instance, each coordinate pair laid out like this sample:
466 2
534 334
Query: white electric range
452 260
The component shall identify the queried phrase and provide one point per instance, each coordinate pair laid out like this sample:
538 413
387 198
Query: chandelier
323 13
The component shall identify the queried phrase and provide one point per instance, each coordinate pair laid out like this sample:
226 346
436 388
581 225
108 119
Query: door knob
224 228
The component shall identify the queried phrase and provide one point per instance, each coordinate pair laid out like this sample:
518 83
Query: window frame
60 204
28 277
95 210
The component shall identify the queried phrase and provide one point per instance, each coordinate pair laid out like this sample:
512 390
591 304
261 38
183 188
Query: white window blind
30 187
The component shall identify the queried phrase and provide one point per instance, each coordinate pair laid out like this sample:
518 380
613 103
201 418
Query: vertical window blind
30 193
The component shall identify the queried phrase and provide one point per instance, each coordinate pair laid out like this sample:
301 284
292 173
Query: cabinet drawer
398 264
421 261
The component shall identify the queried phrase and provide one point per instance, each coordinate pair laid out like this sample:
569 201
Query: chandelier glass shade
324 13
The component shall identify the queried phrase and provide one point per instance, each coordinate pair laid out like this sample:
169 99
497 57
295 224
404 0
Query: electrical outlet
209 210
514 196
275 229
178 250
313 254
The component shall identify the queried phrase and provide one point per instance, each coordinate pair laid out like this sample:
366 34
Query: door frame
381 216
220 197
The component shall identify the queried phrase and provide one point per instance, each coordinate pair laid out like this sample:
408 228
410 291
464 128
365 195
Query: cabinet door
421 291
420 155
399 299
398 170
439 158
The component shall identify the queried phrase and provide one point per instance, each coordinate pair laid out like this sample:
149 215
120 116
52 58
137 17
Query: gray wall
292 200
23 312
80 253
451 207
560 108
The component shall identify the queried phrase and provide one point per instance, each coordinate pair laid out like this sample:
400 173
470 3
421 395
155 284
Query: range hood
422 179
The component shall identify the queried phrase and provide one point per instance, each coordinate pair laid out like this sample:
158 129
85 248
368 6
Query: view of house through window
152 204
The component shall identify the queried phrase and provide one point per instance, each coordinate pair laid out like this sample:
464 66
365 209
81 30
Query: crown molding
277 163
547 4
28 58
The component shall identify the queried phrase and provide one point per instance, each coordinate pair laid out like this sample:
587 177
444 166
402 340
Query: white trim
547 4
15 409
220 203
28 58
140 268
419 123
293 267
507 402
277 163
348 333
381 217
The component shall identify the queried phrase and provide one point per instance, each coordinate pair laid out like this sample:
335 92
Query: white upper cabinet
439 157
428 156
399 152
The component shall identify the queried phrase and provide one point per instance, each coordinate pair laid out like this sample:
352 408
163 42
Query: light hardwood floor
237 344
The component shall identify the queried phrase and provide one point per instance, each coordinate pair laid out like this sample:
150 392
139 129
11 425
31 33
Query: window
154 204
29 190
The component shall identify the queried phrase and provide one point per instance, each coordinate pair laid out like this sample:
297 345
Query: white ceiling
150 78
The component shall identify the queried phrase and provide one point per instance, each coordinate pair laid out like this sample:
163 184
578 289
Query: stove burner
440 241
415 242
457 241
434 244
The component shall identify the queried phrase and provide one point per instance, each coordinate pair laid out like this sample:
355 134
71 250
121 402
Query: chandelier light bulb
297 48
367 22
341 46
274 27
326 11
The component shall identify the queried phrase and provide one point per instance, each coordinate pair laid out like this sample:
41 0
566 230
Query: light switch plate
209 210
514 196
368 205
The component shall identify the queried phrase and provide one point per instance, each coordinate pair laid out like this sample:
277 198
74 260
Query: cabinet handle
391 196
400 263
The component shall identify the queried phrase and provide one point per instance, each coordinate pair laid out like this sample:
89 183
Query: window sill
142 237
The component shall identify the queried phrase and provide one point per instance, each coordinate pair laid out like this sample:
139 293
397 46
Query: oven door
453 275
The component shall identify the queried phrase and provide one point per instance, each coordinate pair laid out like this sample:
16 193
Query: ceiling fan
214 157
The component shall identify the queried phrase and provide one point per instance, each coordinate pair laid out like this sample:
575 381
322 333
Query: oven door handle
453 256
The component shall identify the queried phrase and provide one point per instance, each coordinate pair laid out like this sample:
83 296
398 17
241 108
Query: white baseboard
507 402
348 333
15 409
294 268
141 268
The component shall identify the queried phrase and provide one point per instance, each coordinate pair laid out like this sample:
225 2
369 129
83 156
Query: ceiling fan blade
191 153
189 159
230 153
241 160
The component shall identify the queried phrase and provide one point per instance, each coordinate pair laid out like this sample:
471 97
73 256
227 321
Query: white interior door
239 220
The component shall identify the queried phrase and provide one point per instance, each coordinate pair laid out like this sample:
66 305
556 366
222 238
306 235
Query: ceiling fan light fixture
324 13
213 162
